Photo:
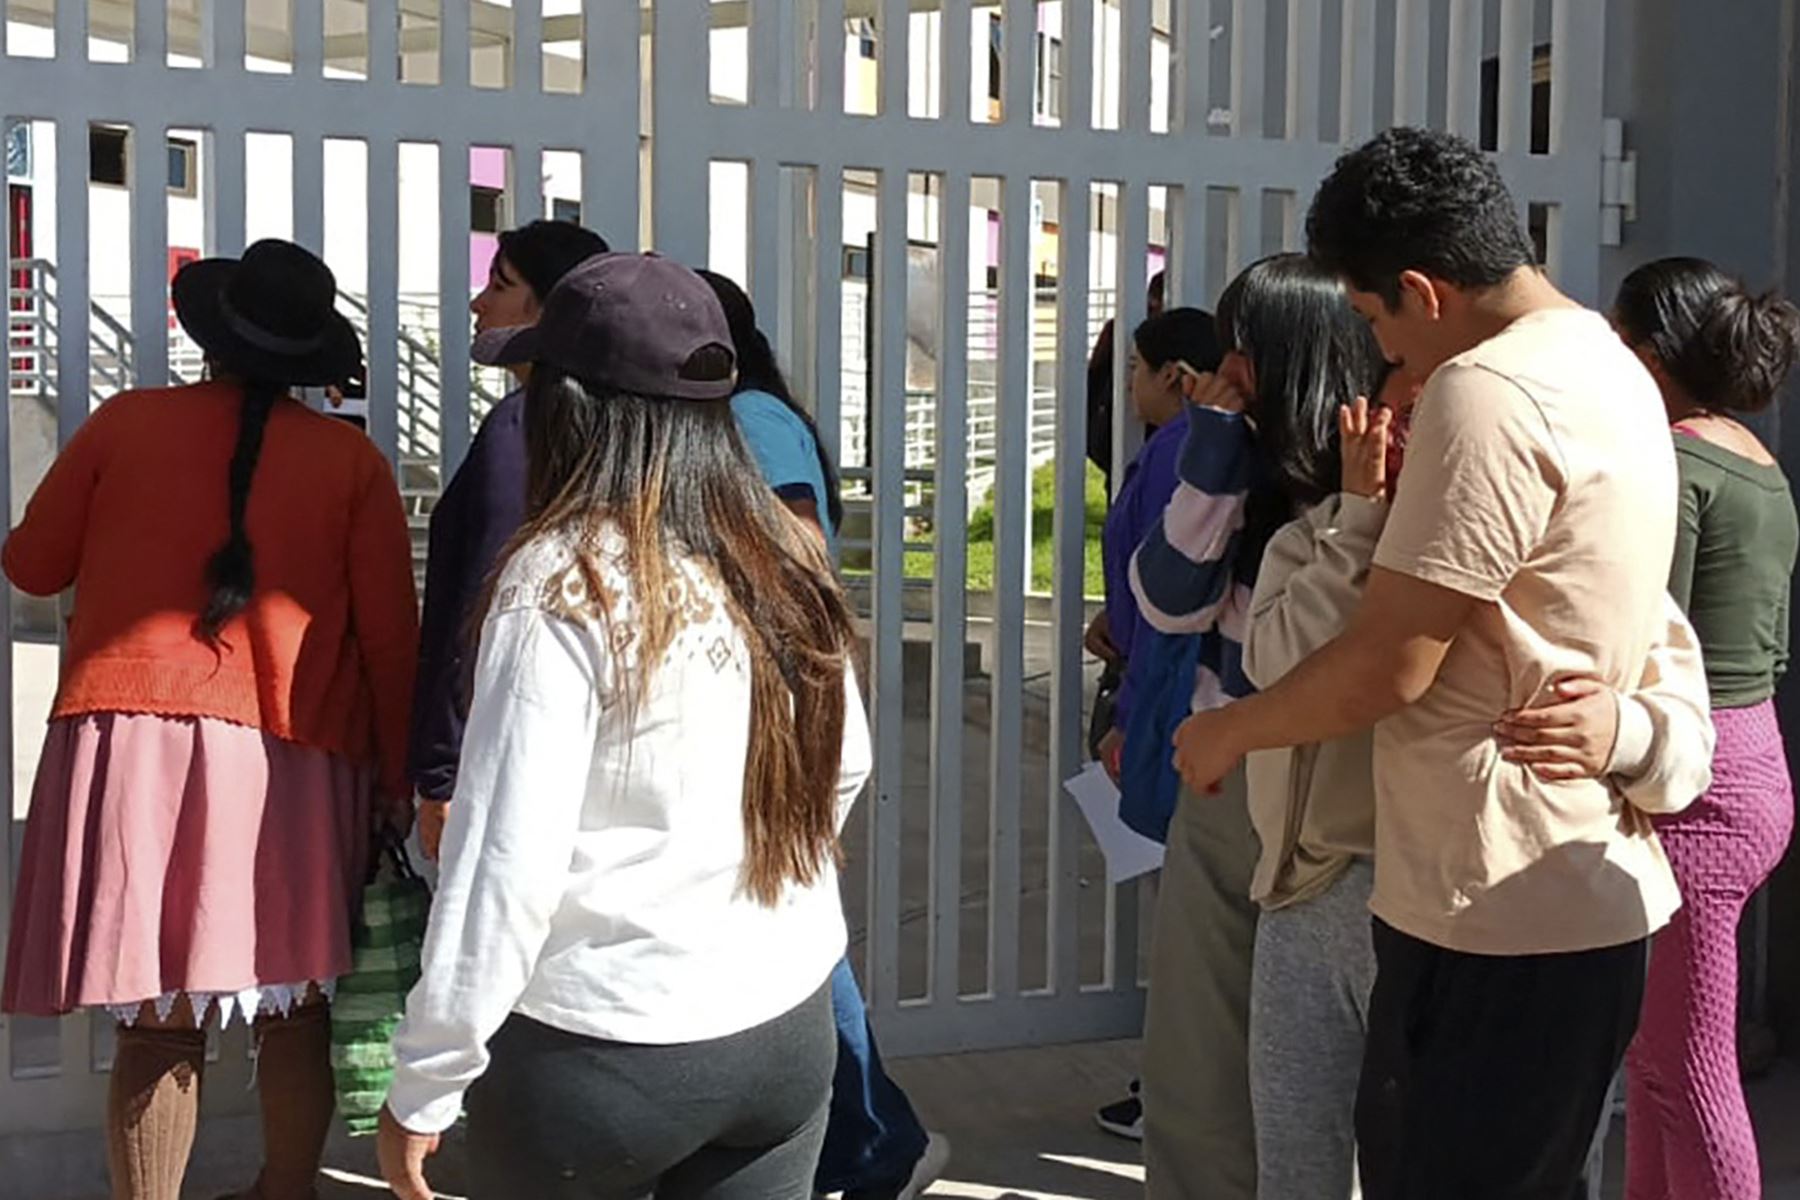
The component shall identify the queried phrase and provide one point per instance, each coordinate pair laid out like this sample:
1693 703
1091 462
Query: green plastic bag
386 940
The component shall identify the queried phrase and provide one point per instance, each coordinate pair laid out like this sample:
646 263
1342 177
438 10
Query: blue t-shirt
785 450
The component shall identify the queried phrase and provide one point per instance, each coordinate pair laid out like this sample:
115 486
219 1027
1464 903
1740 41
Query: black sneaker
1124 1118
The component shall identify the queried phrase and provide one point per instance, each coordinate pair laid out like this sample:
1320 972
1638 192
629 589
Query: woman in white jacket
626 970
1313 807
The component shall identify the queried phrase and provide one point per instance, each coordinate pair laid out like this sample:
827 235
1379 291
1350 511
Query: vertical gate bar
764 229
1128 311
610 58
1018 78
73 379
1463 73
950 597
528 47
953 42
454 47
309 190
894 41
1190 259
1577 96
309 40
382 19
1193 67
1135 87
830 49
1249 243
1249 82
149 34
225 196
453 296
383 299
1356 105
527 184
681 185
1069 573
1516 18
149 254
1078 64
1012 500
8 647
1412 61
768 21
70 30
1304 54
828 297
887 431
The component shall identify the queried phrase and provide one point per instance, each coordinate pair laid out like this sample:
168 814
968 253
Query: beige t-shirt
1540 480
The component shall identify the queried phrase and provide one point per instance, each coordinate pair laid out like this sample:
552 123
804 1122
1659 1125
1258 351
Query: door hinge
1618 182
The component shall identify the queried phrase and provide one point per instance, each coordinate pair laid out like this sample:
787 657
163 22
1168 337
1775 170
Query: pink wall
487 168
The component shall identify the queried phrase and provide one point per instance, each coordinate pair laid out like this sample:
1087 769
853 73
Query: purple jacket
480 510
1150 480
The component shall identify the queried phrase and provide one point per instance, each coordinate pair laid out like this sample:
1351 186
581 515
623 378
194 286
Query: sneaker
925 1172
1124 1118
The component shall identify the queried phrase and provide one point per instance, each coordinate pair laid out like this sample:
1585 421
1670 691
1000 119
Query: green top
1734 558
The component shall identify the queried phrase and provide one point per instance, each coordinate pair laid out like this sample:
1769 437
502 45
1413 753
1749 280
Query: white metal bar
949 605
454 46
1069 537
682 181
1193 67
384 289
1012 501
1304 55
1134 101
1249 242
1412 61
8 647
1356 105
828 293
1516 17
953 30
309 191
894 42
1249 84
764 230
528 46
887 426
1189 266
149 240
149 33
831 57
527 168
769 21
453 301
72 379
382 19
1463 78
225 193
1577 95
1133 238
1078 63
309 37
1018 76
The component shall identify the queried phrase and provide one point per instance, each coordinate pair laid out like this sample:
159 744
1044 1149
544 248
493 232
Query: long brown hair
675 481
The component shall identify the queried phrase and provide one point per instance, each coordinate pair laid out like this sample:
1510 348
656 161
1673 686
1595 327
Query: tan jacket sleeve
1311 581
1662 756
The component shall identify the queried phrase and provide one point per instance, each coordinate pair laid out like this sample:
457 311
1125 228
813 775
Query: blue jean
873 1138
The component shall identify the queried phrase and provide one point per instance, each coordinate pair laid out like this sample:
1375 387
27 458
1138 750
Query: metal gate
860 157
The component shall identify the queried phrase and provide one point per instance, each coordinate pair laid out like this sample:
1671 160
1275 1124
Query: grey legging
558 1116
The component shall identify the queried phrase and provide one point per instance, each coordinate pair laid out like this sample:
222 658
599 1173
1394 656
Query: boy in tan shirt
1530 544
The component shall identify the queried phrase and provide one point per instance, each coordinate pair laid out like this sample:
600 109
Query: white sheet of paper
1128 853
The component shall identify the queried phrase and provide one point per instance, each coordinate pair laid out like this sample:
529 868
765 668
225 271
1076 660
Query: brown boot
294 1084
153 1105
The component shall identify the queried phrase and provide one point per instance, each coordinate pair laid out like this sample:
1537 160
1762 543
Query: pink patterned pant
1687 1130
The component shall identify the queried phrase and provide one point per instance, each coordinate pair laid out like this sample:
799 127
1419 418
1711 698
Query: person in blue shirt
875 1146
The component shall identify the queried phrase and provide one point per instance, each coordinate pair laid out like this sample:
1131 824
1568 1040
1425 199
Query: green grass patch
920 564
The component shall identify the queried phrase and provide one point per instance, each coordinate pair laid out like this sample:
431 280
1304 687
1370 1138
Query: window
487 209
856 262
566 210
18 150
863 30
183 175
107 150
996 38
1049 76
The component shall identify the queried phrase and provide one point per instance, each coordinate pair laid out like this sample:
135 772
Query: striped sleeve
1183 574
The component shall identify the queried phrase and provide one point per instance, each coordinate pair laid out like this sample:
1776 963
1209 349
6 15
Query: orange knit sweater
134 507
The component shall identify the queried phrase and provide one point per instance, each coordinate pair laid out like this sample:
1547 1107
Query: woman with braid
230 726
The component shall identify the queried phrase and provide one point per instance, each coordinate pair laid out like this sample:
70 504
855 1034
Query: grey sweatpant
1309 1017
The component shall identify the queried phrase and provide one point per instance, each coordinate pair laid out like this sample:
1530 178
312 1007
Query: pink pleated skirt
165 856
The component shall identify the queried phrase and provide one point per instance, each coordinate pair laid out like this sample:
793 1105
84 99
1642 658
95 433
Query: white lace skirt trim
264 1000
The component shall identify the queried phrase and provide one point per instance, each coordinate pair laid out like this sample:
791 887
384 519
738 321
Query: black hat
271 314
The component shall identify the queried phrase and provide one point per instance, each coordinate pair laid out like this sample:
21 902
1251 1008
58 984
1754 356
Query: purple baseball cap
634 322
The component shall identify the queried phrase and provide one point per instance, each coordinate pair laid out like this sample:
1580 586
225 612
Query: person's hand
1363 436
335 396
392 814
433 814
1212 390
1112 752
402 1154
1203 753
1570 736
1098 641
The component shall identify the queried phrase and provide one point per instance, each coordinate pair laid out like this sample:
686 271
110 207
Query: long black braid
231 572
